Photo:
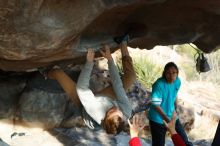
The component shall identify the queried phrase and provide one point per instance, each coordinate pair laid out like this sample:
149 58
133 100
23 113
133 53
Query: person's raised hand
90 55
136 126
106 52
171 125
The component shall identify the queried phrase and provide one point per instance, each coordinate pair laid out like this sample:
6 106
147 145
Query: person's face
171 74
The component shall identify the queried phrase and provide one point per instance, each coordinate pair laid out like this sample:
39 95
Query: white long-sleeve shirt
97 105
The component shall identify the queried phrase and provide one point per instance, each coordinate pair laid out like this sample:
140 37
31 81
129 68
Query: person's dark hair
169 65
113 125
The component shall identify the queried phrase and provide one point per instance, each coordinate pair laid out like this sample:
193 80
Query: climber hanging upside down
109 107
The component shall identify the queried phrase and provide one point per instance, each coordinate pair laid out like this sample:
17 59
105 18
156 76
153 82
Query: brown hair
113 125
167 66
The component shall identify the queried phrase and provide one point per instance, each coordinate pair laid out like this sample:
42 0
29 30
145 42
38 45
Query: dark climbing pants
158 132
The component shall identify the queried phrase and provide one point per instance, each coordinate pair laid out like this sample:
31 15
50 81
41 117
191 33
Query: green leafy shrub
190 71
146 71
186 50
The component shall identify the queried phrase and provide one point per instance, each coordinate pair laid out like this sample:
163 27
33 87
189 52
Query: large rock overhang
44 32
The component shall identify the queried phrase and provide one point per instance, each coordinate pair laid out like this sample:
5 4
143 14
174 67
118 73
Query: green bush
146 71
187 50
190 71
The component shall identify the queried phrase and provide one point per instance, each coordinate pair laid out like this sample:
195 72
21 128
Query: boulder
43 32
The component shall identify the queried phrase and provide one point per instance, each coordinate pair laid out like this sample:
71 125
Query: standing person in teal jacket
163 96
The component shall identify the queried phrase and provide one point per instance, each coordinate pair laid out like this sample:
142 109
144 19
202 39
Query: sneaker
135 30
126 38
45 70
123 38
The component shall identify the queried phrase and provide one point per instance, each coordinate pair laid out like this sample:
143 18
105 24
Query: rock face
41 32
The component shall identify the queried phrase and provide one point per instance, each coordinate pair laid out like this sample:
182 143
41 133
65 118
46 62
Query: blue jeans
158 132
182 133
